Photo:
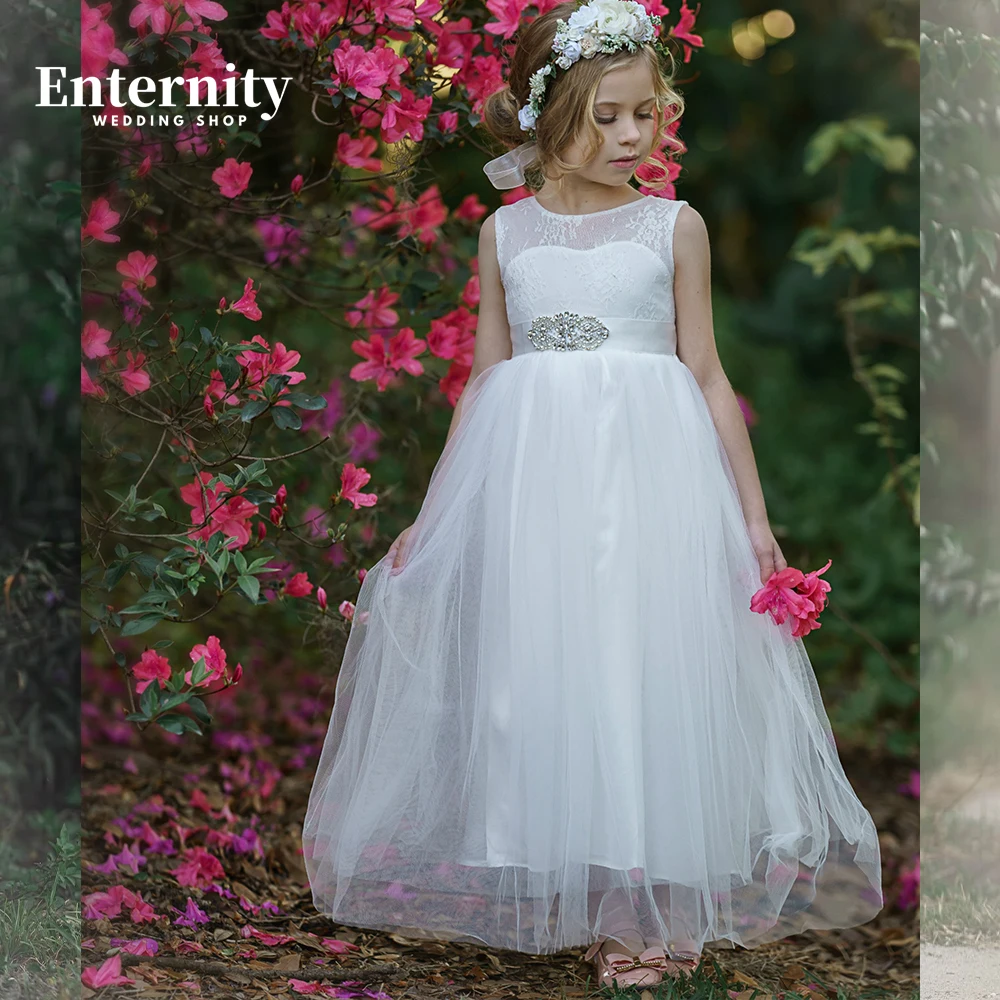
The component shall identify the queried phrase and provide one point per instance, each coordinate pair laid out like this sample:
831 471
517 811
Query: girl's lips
627 162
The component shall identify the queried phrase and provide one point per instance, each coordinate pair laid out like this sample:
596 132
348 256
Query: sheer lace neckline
587 215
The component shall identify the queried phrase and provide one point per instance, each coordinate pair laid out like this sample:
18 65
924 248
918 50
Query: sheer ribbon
507 171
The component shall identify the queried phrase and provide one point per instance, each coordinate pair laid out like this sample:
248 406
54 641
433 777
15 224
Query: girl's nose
630 135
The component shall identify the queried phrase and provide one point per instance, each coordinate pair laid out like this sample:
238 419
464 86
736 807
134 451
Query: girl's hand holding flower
766 549
790 592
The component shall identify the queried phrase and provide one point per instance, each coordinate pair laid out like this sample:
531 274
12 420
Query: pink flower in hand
232 177
779 595
791 592
248 303
351 480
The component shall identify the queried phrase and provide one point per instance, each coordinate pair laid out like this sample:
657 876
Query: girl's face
624 110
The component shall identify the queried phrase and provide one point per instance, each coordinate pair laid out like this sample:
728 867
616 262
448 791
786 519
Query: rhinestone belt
567 331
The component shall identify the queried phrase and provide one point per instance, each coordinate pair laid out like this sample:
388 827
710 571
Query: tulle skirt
560 717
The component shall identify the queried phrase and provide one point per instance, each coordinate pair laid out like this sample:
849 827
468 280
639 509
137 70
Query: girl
557 721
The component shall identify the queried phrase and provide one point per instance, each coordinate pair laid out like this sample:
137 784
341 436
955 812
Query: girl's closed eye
611 121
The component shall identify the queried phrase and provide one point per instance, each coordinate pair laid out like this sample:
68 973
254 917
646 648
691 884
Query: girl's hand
766 549
395 553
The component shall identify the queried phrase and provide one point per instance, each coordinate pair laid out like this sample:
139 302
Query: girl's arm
696 348
492 342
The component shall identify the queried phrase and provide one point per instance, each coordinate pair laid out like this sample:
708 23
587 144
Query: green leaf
306 402
253 409
141 624
229 369
250 586
286 418
179 724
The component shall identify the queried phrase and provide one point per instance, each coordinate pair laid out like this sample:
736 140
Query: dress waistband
584 332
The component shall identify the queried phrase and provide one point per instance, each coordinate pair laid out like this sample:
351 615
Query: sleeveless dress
561 704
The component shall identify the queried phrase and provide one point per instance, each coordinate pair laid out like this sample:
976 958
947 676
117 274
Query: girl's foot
684 961
624 963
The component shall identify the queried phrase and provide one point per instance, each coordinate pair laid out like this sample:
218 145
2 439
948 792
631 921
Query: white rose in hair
614 19
572 51
527 118
583 17
588 47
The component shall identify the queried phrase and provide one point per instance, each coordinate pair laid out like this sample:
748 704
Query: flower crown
598 26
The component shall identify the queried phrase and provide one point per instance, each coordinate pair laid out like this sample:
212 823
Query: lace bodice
616 265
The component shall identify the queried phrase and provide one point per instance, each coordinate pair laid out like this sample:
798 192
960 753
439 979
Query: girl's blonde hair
569 99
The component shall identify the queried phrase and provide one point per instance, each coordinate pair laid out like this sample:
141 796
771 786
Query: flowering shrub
219 470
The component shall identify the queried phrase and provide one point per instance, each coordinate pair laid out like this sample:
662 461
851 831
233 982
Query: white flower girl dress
561 704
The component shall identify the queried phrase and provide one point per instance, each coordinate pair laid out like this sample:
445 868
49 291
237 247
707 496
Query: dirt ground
959 972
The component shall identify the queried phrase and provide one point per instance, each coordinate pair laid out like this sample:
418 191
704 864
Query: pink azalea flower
296 185
135 378
109 974
257 367
470 209
365 70
88 387
97 42
232 178
321 598
789 592
471 292
508 13
346 608
247 305
375 309
193 138
162 15
215 660
383 361
352 479
404 119
453 335
454 380
232 517
357 152
192 916
100 218
137 268
682 30
94 340
282 241
198 870
298 586
363 439
424 216
152 666
448 122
